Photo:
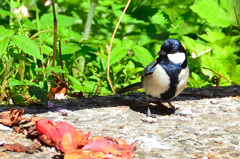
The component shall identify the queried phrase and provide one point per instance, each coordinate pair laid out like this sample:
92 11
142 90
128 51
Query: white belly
183 78
153 85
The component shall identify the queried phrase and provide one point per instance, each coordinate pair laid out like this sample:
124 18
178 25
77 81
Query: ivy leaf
27 45
143 55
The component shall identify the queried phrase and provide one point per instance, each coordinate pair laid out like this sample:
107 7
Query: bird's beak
161 53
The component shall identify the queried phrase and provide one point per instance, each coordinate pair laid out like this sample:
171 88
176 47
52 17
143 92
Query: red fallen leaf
74 143
103 148
47 132
108 145
12 117
21 148
62 135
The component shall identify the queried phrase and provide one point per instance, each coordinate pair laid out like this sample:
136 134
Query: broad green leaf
117 54
5 13
195 47
215 65
212 36
47 49
27 45
143 55
5 33
19 57
3 45
76 82
144 40
57 69
159 18
127 43
62 20
15 82
212 11
235 75
39 93
88 86
69 48
31 83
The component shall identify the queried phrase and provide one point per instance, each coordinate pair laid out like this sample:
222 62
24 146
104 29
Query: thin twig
219 78
60 58
110 47
237 18
55 34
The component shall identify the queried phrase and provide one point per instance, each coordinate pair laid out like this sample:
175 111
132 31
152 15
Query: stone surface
207 124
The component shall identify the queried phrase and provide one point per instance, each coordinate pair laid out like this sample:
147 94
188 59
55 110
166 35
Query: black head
171 46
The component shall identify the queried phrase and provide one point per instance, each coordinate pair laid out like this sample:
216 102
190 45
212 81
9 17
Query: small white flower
21 12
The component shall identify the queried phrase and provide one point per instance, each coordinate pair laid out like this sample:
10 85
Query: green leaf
74 80
221 15
117 54
127 43
159 18
144 40
57 69
69 48
39 93
5 13
3 45
215 65
63 21
194 47
27 45
5 33
212 36
143 55
14 82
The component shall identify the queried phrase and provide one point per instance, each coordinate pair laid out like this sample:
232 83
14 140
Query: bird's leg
172 106
148 111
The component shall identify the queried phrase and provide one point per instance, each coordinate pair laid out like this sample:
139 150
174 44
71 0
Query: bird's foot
149 114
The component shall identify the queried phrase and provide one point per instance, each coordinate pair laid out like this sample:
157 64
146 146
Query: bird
166 76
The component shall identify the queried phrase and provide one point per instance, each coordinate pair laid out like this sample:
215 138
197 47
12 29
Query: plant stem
55 33
237 18
88 24
60 56
110 46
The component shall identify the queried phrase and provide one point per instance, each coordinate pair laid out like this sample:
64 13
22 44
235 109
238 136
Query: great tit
165 77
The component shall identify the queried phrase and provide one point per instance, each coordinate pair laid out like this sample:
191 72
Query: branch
110 47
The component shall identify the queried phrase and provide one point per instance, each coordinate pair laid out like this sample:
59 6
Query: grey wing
150 68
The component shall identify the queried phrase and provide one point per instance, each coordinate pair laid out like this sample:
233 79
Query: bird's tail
130 87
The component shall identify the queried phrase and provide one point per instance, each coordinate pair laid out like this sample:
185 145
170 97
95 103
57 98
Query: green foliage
208 29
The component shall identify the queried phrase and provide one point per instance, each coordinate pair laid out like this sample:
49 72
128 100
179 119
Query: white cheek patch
178 57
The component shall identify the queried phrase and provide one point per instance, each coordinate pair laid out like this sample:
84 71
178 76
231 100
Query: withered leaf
21 148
